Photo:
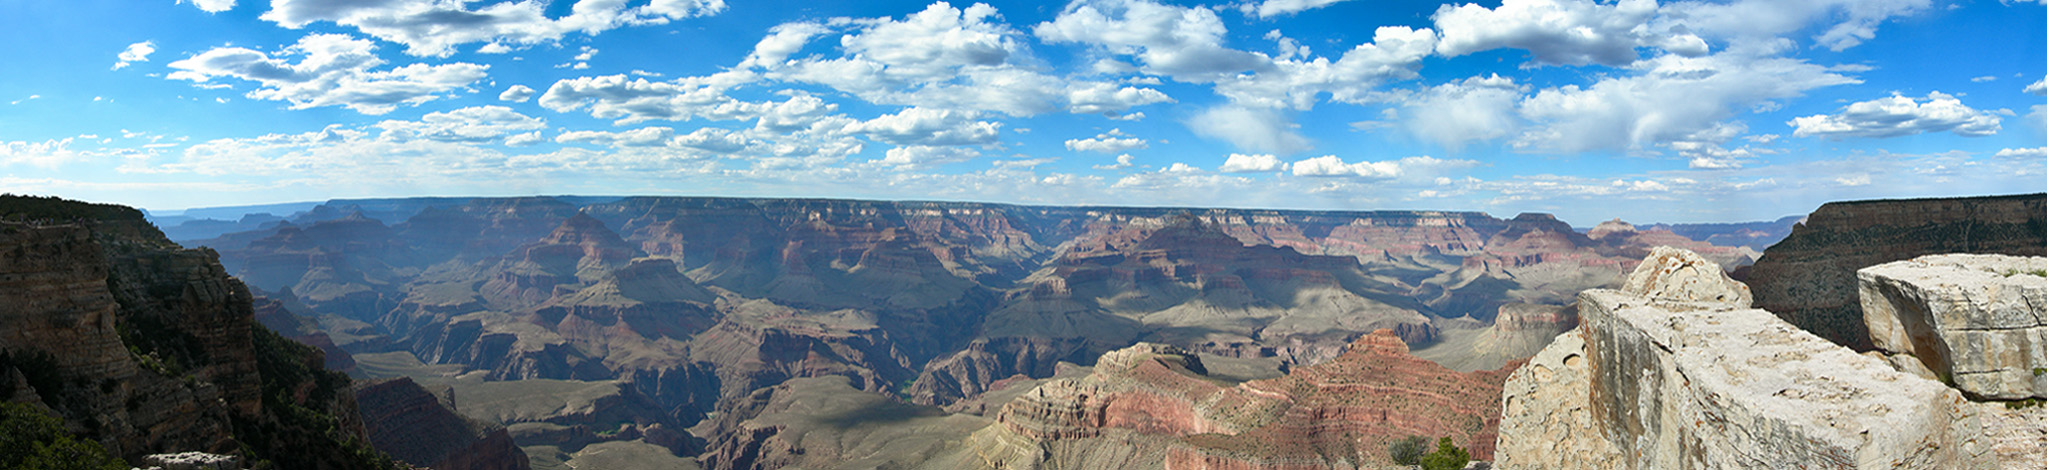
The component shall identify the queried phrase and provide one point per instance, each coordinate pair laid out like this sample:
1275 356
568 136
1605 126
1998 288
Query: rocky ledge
1661 375
1975 320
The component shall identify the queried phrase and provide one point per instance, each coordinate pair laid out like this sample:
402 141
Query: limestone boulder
1546 413
1679 274
191 461
1979 320
1665 384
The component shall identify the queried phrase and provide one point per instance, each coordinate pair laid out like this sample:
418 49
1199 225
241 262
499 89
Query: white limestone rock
1699 385
1679 274
191 461
1546 413
1980 320
1711 385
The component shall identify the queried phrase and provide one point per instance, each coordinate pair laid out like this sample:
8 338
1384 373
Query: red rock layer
1345 410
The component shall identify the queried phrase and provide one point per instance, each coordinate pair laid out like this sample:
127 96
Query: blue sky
1686 111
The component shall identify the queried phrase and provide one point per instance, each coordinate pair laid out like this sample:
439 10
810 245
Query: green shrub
1408 451
1446 457
33 440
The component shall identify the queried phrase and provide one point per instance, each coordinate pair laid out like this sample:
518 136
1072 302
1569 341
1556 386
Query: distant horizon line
315 203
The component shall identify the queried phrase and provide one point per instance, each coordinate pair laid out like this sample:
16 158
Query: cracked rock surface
1675 372
1976 319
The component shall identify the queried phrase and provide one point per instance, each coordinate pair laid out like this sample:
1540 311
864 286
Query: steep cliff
415 426
149 348
1809 278
1675 372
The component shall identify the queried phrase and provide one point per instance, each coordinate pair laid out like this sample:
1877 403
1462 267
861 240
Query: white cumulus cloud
211 6
1900 115
1670 97
137 52
630 100
1331 165
472 124
929 127
2035 152
1260 163
332 70
1416 167
642 137
926 156
2038 88
435 27
1181 42
1272 8
1114 141
516 94
1570 32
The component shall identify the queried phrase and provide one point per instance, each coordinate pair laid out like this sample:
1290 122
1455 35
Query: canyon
679 326
578 332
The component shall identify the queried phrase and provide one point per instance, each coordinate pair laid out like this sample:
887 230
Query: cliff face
62 333
1809 278
150 348
1669 373
414 426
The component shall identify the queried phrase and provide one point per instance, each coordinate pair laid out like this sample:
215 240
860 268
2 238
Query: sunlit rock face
1809 278
1658 378
1974 319
1153 400
1677 274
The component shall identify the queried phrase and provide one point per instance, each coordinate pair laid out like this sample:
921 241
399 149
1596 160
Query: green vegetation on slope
1408 451
1446 457
33 440
294 435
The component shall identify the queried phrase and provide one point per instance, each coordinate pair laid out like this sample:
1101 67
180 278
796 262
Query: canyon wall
150 348
1809 278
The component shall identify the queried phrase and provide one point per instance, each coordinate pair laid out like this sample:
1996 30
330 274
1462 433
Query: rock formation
1681 275
415 426
1975 320
150 348
1655 378
1809 278
1158 406
698 303
1752 235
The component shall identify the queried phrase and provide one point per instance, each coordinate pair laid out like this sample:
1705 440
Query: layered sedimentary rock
1190 283
1752 235
1158 406
1809 278
987 361
415 426
1663 381
693 302
1629 239
1976 320
151 348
